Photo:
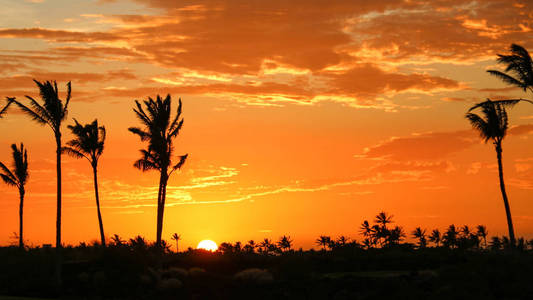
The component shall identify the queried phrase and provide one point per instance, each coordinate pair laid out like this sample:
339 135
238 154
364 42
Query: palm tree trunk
159 225
96 194
161 205
504 194
21 239
58 216
58 172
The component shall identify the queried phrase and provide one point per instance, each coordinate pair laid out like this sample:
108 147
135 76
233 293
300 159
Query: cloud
432 145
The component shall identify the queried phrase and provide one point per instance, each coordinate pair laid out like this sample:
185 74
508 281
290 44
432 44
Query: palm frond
9 176
73 152
508 79
7 180
4 110
36 117
480 125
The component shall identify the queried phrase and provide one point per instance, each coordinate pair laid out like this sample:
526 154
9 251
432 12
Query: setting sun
207 245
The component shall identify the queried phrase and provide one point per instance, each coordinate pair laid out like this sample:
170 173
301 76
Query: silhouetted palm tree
323 241
519 70
52 112
176 237
394 236
482 233
160 130
89 144
267 246
435 237
17 178
342 241
495 243
420 234
116 240
250 246
493 125
285 243
450 237
383 219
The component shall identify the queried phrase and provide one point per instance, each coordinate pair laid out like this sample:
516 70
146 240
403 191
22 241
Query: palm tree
383 219
323 241
52 112
482 233
159 131
342 240
89 144
176 237
420 234
17 178
450 237
435 237
493 125
519 70
267 246
285 243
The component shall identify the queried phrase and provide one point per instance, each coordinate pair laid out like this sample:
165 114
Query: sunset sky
301 117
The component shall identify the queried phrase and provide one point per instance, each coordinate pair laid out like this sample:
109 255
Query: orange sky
301 117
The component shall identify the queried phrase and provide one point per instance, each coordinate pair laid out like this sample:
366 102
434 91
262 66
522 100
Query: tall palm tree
492 125
89 144
17 178
160 131
519 70
176 237
51 112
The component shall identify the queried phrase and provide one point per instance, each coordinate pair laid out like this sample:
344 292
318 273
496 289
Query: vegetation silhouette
519 68
159 131
89 144
492 125
17 178
52 112
176 237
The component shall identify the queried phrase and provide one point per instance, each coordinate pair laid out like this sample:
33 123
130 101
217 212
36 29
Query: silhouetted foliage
17 178
492 125
89 144
519 68
176 237
435 237
285 243
159 131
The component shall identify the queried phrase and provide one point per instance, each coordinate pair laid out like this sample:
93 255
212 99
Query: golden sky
301 117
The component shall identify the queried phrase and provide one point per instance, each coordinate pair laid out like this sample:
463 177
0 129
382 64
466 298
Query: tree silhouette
482 232
435 237
342 241
492 125
324 241
420 234
160 131
519 68
250 246
52 112
450 237
89 144
285 243
17 178
267 246
176 237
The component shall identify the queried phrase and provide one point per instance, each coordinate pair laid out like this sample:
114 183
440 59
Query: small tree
420 234
176 237
17 178
285 243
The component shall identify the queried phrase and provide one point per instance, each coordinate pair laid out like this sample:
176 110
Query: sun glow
207 245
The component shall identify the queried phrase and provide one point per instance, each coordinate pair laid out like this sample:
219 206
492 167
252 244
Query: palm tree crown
519 70
89 141
17 178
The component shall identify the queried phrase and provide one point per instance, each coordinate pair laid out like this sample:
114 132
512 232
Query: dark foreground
344 273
